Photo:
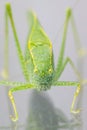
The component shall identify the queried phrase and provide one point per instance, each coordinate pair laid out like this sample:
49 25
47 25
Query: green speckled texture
39 56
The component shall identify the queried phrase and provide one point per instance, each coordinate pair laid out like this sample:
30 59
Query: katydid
38 65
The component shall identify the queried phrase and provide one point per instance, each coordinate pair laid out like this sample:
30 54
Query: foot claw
75 111
14 119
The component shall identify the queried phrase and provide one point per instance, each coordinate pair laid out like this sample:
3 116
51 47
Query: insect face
43 65
43 79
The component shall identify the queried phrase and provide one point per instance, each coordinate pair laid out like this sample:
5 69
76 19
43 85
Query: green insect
37 64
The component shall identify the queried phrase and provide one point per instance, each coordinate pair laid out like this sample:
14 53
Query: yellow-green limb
66 61
17 86
27 86
61 63
62 50
71 83
19 51
74 100
15 117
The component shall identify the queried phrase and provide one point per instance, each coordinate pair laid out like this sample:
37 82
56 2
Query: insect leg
17 86
61 53
71 83
81 52
14 84
8 13
68 60
15 117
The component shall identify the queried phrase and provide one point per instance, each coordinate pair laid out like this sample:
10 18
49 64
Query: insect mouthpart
44 82
43 87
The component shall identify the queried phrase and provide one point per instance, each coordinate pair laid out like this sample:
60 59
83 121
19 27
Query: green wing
39 46
37 35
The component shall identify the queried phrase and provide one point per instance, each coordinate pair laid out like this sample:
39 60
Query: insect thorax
41 60
41 57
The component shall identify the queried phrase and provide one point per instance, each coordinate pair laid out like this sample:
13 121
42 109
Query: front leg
17 86
11 97
71 83
63 83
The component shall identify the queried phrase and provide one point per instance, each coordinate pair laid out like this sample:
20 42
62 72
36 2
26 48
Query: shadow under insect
43 115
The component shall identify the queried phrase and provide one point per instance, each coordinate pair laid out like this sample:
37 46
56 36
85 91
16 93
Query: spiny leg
19 51
20 86
14 84
61 63
68 60
15 117
61 53
22 61
4 73
82 52
71 83
7 83
74 100
17 86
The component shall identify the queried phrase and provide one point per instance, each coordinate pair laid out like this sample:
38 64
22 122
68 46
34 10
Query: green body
39 59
